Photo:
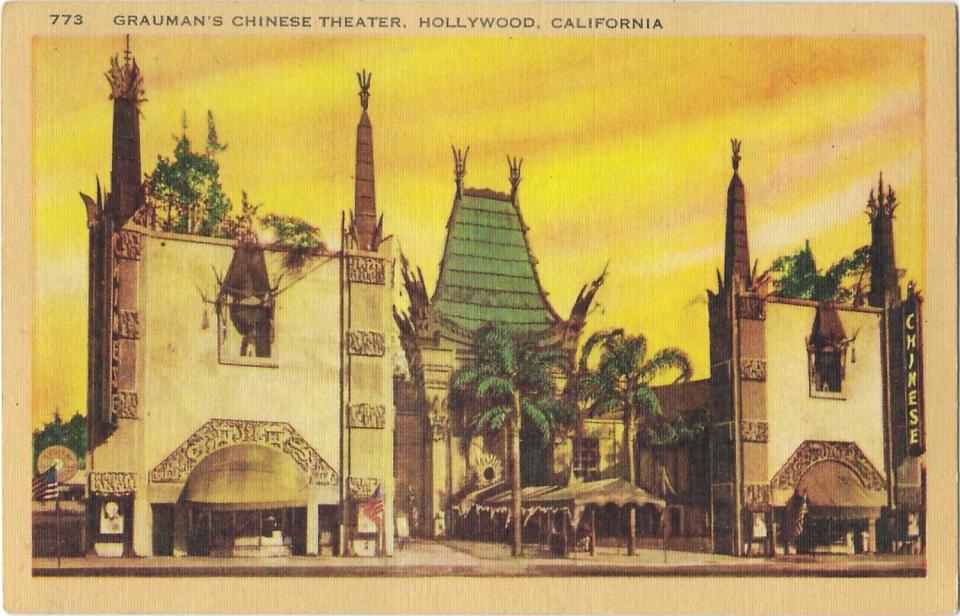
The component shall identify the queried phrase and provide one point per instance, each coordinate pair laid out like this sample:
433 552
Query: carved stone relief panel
125 404
367 270
754 431
364 415
127 324
219 433
112 482
371 344
127 245
359 488
756 495
753 369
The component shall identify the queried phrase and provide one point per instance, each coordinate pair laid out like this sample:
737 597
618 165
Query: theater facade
240 396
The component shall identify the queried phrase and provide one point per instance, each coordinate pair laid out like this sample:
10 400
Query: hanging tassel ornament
205 324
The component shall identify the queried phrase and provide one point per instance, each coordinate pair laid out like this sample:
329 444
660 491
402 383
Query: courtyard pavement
468 558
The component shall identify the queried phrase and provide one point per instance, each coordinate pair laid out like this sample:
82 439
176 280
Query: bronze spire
737 249
515 179
126 90
884 279
459 167
364 224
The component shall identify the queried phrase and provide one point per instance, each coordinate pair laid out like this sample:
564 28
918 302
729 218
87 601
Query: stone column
313 523
872 535
142 524
181 529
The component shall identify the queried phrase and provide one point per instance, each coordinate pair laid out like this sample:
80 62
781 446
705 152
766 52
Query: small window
827 354
586 458
245 310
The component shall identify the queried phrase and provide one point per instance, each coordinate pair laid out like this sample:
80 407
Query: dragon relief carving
219 433
811 452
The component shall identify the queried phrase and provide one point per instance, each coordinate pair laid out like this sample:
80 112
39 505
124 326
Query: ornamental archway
217 434
810 453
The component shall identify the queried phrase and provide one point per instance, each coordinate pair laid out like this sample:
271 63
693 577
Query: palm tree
622 381
510 380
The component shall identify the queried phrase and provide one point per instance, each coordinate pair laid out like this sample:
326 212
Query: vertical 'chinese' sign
913 366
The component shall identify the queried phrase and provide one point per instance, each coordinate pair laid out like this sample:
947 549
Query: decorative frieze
219 433
812 452
364 415
126 404
756 495
753 369
107 483
366 270
127 245
371 344
361 488
754 431
127 324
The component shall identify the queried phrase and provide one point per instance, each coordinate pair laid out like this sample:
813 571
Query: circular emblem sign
60 457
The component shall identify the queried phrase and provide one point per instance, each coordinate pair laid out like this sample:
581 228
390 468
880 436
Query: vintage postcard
479 307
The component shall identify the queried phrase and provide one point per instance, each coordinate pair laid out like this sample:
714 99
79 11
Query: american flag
45 485
373 509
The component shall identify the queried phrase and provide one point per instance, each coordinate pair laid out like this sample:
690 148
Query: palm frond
646 401
464 377
598 338
665 360
538 417
492 418
494 386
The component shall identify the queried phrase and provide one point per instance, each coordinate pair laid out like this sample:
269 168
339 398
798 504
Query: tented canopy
619 492
832 484
616 491
247 477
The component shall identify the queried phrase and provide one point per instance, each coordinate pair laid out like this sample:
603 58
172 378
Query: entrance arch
219 433
247 500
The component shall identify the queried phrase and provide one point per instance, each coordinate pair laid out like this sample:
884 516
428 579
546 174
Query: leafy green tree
72 434
622 381
292 231
510 381
185 193
796 275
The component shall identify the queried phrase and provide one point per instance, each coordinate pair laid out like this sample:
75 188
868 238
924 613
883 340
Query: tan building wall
184 376
794 414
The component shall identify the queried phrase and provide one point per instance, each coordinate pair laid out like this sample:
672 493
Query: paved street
466 558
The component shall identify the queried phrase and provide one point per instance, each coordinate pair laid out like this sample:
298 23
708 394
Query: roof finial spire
735 144
126 51
515 179
364 78
459 166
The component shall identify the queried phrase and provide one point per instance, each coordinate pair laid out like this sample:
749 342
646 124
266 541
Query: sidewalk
468 558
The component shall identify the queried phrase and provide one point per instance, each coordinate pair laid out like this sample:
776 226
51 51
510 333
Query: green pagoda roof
487 273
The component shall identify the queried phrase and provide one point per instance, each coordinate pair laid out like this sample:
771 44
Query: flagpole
58 524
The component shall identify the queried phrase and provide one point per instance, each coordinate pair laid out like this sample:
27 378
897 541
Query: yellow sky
625 144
